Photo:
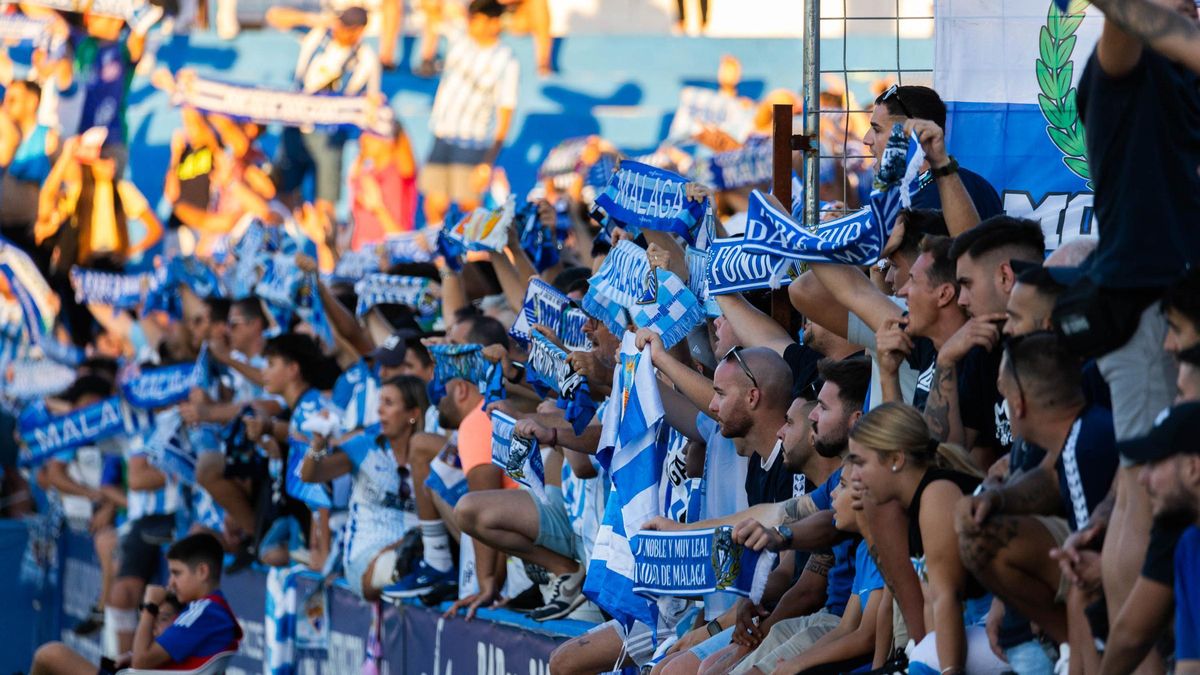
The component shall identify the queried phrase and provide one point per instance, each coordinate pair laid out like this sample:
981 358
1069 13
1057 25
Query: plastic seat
215 666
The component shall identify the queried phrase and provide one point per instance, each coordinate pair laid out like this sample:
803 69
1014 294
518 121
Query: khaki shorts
452 180
1059 530
788 638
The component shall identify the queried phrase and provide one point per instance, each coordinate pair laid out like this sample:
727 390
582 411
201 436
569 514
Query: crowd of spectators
976 456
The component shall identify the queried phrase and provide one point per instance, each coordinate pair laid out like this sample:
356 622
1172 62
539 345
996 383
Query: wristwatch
785 532
950 169
714 628
149 607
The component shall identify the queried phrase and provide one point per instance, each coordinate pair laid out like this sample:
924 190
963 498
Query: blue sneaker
419 581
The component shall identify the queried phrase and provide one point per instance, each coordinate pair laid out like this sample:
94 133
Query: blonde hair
893 428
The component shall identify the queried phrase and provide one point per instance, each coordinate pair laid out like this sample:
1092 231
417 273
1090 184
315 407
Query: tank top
916 547
195 173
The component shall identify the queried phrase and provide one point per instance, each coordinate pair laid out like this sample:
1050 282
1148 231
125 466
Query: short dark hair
88 385
102 366
569 279
412 390
419 350
917 224
1022 236
941 270
1049 373
1183 296
218 309
851 375
251 308
921 103
199 548
302 350
486 331
490 8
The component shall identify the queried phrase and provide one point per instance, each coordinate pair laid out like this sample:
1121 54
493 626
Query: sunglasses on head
735 354
894 92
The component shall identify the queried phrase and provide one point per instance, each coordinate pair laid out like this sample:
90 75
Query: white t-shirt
476 82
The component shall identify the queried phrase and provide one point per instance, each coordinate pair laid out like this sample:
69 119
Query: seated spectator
382 508
1006 534
206 627
894 457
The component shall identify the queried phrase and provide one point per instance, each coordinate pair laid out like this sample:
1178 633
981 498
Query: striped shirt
326 66
165 500
476 82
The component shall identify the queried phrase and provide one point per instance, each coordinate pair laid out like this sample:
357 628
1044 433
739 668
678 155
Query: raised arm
1164 29
853 290
957 206
753 328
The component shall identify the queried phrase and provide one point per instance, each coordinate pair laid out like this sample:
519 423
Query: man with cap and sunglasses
1169 456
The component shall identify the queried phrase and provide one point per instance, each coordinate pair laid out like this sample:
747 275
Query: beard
831 448
736 426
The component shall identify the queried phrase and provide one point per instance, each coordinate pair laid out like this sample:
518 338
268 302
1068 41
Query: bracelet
953 670
950 169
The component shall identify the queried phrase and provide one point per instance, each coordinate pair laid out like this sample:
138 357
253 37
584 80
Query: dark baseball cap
393 350
1176 431
353 17
1052 279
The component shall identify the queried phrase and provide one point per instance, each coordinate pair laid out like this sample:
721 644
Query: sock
436 542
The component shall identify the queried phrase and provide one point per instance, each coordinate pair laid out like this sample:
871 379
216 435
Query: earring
412 420
895 468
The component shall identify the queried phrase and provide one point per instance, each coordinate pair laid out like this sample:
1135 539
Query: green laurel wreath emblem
1054 74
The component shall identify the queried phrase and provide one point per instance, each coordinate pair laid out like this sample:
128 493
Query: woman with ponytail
894 458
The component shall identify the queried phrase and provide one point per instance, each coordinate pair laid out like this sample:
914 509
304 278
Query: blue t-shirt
987 201
204 628
106 69
1187 596
866 574
840 582
823 496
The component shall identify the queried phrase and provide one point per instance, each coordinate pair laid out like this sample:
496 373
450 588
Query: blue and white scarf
389 289
544 305
674 312
539 242
354 265
698 562
548 370
161 387
697 264
620 282
734 270
518 456
267 105
86 426
279 646
629 451
563 160
121 291
415 246
199 277
168 448
456 362
39 304
642 196
746 166
27 379
700 107
855 239
485 229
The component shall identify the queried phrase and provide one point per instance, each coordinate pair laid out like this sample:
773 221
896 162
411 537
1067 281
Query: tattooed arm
1164 29
941 408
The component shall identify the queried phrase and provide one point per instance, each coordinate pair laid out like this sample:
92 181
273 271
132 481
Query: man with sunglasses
1006 533
963 195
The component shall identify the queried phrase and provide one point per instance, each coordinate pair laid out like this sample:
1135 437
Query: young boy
206 626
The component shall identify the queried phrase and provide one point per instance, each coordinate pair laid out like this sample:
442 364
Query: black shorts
142 547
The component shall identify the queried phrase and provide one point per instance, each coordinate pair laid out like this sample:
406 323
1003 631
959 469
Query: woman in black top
894 458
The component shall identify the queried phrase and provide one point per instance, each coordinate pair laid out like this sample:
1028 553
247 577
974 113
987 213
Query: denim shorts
554 526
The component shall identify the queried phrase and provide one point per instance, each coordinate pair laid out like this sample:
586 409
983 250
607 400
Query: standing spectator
26 146
189 181
472 113
333 60
105 57
383 188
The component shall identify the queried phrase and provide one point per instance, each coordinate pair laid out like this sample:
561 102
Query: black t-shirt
979 402
1160 554
1095 389
923 360
802 359
773 484
986 199
1087 464
1143 148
